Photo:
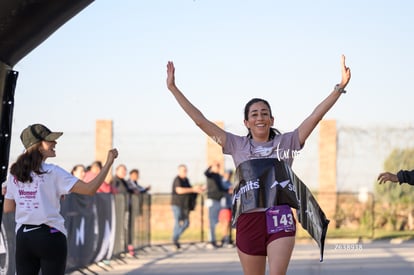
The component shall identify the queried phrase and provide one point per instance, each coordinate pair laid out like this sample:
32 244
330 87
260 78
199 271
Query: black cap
36 133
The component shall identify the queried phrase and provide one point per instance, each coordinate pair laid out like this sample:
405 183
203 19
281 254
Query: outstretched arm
208 127
90 188
403 176
307 126
387 176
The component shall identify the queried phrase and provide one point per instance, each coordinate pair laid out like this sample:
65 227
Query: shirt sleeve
291 140
176 183
230 144
405 176
64 179
9 194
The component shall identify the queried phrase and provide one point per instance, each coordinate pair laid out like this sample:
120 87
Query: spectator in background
133 181
225 212
138 189
122 186
78 171
403 176
182 202
119 182
215 192
93 171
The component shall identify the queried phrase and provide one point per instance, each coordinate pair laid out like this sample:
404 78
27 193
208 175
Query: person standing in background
182 202
93 171
215 192
133 181
119 183
225 212
403 176
78 171
122 186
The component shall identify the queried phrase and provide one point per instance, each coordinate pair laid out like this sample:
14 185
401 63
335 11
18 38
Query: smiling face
47 149
259 121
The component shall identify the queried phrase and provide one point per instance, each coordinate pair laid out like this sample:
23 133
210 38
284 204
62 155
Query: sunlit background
109 62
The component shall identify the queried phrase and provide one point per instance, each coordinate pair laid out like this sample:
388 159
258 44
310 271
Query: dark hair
30 160
229 172
97 163
134 171
273 131
76 168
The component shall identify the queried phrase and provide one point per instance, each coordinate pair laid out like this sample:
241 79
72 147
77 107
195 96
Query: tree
397 200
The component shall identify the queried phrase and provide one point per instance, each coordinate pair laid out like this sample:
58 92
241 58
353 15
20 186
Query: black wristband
339 89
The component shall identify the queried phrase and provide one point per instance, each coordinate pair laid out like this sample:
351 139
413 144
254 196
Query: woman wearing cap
253 240
34 189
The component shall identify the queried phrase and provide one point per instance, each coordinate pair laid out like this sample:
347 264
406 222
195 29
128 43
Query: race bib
280 218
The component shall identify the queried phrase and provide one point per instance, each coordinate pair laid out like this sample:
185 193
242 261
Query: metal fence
107 226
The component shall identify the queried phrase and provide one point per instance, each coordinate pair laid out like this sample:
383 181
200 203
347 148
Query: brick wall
103 142
327 169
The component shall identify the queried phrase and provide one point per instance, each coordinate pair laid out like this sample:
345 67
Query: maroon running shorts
251 233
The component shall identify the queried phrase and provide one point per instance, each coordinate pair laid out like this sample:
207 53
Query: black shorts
40 247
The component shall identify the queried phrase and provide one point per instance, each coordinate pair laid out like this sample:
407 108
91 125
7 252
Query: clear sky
109 62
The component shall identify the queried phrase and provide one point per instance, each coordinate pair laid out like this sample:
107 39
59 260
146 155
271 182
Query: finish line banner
263 183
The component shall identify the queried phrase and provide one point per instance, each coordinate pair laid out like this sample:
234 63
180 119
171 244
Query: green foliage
399 159
366 220
393 197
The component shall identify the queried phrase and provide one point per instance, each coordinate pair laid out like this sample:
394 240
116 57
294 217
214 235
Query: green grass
382 234
194 235
190 235
377 234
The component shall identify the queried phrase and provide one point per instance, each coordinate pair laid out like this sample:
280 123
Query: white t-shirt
38 202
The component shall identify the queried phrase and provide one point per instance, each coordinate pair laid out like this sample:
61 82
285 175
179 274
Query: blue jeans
214 207
181 222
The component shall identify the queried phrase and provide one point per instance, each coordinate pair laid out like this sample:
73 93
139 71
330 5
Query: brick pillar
103 142
214 151
327 169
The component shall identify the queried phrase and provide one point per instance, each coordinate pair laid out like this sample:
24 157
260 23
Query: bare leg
279 253
252 265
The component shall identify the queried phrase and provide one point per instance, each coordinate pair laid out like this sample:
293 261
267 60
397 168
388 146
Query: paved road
341 257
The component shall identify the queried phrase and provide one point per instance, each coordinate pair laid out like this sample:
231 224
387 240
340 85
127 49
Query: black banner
310 215
7 245
81 223
264 183
121 224
105 206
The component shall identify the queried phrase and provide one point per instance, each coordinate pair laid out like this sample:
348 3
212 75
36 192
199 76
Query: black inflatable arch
24 25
